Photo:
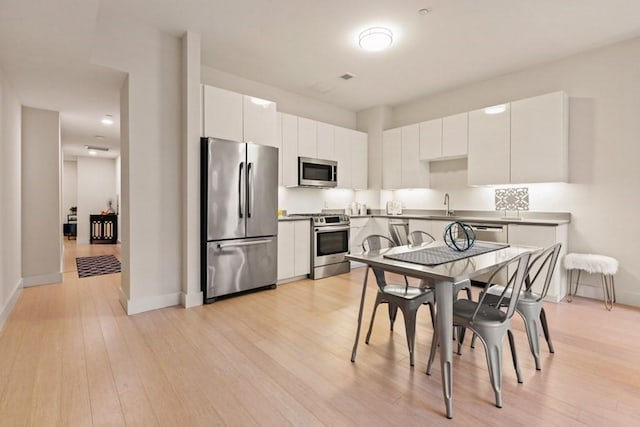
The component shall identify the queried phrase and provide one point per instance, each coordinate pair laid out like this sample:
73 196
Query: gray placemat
443 254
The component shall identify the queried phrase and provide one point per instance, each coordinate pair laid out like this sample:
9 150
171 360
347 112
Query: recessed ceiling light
424 11
99 137
375 39
107 120
496 109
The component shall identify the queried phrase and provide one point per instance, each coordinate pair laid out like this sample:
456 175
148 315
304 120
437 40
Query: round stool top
591 263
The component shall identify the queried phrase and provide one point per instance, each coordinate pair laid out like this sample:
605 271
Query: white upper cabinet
279 141
359 160
237 117
401 165
343 154
289 150
413 172
259 121
391 159
527 143
489 142
454 136
307 138
539 139
431 139
222 113
326 141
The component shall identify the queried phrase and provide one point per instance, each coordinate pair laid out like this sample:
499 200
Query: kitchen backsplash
512 199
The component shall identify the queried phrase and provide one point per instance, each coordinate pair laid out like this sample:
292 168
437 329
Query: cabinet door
542 237
489 153
359 160
259 121
454 136
289 150
307 138
359 229
431 139
302 248
325 141
222 113
285 249
539 139
279 142
413 172
343 156
391 159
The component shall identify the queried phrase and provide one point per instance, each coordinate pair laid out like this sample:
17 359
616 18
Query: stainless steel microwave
317 173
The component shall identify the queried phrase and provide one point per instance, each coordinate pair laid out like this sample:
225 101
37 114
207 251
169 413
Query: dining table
444 276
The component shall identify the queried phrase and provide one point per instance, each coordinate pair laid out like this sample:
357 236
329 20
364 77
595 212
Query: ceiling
301 46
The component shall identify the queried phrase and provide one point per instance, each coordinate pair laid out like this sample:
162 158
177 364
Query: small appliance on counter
394 207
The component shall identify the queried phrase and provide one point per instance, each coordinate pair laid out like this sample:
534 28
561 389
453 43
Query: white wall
287 102
69 187
151 153
10 199
604 130
96 187
41 230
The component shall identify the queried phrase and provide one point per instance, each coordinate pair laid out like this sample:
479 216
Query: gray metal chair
530 304
490 323
419 237
404 297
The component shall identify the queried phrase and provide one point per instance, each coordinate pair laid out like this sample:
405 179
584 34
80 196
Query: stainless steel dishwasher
399 231
489 233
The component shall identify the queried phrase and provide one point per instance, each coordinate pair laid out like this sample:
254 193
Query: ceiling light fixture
496 109
375 39
107 120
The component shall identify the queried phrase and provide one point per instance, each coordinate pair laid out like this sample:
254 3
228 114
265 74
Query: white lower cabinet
359 228
544 236
294 249
420 225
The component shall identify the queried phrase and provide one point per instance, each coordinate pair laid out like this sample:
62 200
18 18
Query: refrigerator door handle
240 214
249 188
251 243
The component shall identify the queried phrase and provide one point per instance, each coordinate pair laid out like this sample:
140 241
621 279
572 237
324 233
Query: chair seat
405 292
463 310
494 292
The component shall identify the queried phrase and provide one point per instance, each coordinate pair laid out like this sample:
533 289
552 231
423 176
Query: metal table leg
444 323
364 291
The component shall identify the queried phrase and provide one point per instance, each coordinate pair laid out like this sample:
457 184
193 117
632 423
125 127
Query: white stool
598 264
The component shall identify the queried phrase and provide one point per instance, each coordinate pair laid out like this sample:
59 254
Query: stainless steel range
329 245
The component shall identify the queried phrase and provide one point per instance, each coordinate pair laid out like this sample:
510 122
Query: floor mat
97 265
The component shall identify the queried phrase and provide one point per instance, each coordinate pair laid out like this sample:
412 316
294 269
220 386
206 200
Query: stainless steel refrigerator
239 192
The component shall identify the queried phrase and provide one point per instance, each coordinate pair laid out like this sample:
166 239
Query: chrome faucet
448 212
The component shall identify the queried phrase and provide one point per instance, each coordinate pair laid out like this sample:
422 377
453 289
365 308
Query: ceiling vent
347 76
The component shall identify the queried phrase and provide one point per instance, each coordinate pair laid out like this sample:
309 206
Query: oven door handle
331 228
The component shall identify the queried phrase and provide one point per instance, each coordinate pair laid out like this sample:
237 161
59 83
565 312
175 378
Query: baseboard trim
193 299
140 305
8 307
44 279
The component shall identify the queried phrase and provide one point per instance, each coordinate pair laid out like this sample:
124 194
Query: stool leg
607 290
575 292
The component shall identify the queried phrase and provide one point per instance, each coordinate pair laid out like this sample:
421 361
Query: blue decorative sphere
459 236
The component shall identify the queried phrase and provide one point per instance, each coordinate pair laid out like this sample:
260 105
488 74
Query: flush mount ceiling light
496 109
107 120
375 39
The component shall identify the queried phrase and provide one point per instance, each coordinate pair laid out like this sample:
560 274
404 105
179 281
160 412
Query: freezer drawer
239 265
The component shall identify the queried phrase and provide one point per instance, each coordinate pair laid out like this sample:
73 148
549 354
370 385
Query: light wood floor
69 356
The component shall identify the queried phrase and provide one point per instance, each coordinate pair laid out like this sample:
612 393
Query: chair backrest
375 242
513 287
418 237
543 262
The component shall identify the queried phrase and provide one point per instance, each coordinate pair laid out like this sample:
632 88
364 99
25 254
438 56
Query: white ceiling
302 46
